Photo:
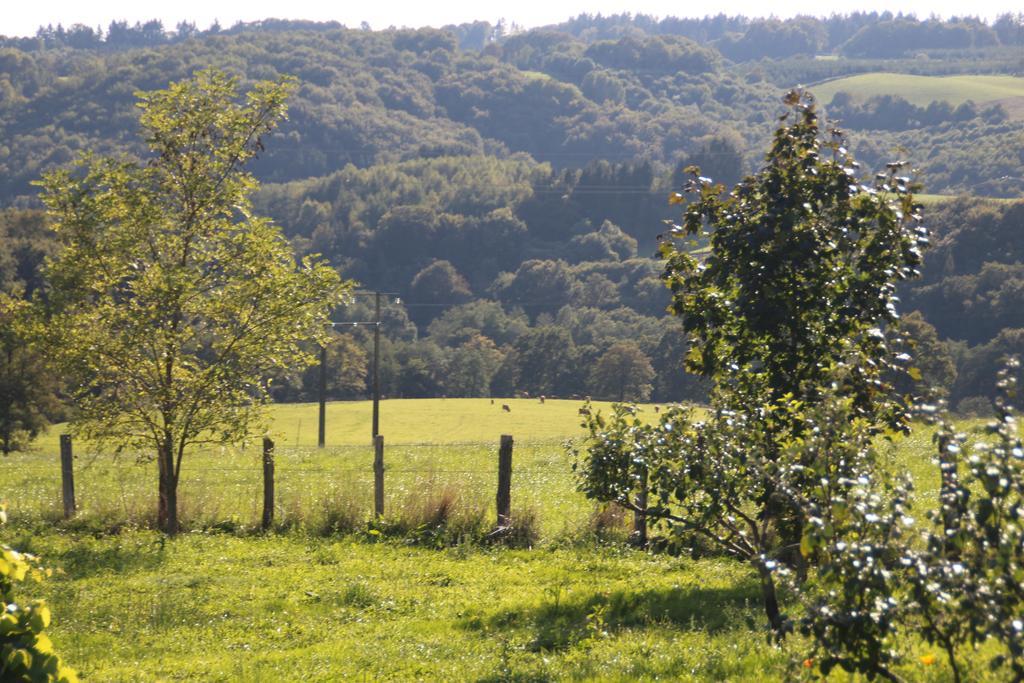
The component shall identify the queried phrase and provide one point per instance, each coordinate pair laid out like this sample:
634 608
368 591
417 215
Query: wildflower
928 659
808 663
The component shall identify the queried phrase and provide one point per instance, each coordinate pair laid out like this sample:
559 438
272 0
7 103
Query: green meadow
922 90
436 420
330 595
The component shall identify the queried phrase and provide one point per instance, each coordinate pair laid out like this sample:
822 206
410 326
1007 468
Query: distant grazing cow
542 398
504 406
657 409
492 401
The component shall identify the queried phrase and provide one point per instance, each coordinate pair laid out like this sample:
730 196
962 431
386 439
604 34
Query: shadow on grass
562 621
95 557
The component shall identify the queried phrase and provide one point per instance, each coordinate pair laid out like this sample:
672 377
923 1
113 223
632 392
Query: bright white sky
21 18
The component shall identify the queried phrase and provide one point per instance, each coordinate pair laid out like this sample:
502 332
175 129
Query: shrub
26 653
974 406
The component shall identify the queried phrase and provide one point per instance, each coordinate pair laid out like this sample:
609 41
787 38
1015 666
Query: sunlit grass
922 90
130 605
404 421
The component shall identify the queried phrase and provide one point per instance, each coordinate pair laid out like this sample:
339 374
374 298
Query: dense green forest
508 187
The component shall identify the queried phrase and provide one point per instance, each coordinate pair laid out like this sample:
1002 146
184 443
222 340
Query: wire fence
226 486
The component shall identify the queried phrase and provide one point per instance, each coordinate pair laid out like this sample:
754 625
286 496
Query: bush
26 653
974 406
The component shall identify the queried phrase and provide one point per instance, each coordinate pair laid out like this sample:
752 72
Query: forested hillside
509 187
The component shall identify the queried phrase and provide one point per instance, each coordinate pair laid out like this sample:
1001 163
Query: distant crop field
932 199
922 90
417 421
432 420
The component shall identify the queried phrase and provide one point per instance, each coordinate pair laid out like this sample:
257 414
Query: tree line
563 94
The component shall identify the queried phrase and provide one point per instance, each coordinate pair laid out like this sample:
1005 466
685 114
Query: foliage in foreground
958 589
26 653
793 317
871 581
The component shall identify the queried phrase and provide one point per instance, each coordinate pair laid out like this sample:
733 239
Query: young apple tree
789 314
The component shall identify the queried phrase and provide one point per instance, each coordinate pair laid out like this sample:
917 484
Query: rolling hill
922 90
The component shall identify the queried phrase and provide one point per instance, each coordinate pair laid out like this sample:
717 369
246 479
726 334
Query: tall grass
440 493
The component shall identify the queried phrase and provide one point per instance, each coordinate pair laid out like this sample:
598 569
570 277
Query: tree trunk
167 505
771 602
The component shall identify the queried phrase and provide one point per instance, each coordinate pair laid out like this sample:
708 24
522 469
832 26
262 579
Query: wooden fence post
67 476
268 483
505 481
321 429
378 475
640 518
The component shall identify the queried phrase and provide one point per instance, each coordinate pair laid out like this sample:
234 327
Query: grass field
932 199
222 603
433 448
922 90
405 421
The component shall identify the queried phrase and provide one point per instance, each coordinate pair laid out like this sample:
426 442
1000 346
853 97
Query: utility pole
322 429
375 379
376 366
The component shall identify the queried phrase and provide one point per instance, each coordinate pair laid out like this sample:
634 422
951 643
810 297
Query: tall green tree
797 295
171 301
472 366
801 274
622 373
27 386
347 366
789 315
546 357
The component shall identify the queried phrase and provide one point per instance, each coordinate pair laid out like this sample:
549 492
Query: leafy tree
27 387
798 289
787 316
858 606
438 283
543 285
25 241
460 324
172 302
801 274
956 590
981 364
623 372
421 371
506 377
965 584
719 158
347 369
472 366
671 381
936 368
546 358
607 243
597 291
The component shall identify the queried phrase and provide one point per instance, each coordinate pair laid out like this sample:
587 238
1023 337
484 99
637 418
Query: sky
23 18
